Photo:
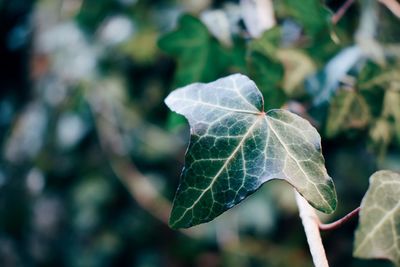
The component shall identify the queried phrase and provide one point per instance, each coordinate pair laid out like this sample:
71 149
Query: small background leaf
378 232
268 74
311 14
266 69
297 67
199 55
347 111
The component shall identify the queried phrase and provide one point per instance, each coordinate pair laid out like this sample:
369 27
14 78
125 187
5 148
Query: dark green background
74 139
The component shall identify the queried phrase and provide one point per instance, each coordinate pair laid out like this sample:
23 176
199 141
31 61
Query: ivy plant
312 62
236 146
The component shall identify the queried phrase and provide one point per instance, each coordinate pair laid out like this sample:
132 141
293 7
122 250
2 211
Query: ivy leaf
348 110
266 70
235 147
391 108
378 231
381 134
298 66
311 14
268 73
268 43
199 55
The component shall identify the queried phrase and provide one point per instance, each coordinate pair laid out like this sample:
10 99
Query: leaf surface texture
235 147
378 231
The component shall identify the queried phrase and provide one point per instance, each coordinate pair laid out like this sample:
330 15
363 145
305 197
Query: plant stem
393 6
340 222
311 227
342 10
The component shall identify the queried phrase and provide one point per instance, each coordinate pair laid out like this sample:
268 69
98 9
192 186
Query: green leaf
384 79
268 43
391 108
378 231
311 14
142 46
199 55
298 66
268 74
92 12
381 134
235 147
348 110
266 70
200 58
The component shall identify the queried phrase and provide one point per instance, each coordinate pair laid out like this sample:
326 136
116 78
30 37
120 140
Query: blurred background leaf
91 157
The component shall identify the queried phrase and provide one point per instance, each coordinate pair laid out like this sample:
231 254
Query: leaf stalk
336 224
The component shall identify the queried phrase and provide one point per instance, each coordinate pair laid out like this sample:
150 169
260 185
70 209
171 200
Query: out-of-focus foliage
199 55
312 15
91 155
265 68
348 110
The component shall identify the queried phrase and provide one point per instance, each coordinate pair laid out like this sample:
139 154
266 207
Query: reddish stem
342 10
340 222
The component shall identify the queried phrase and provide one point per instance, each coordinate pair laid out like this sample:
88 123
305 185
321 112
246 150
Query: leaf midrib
234 152
295 160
